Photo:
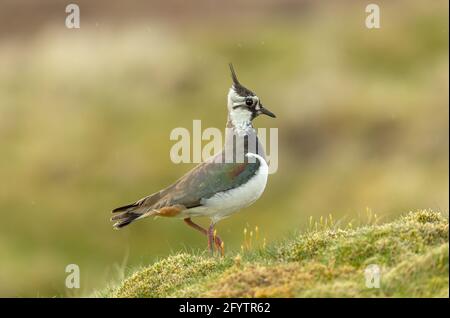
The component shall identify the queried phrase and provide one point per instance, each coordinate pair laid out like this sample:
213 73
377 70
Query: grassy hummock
412 253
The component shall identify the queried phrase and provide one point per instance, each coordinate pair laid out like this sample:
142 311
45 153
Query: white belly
225 203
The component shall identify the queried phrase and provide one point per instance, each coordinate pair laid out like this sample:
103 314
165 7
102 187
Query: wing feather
204 181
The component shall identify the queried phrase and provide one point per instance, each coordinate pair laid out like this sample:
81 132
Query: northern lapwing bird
227 182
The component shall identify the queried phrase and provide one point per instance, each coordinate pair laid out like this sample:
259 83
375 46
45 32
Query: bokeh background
85 118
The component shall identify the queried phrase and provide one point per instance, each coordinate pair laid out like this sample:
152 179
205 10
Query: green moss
412 253
159 279
383 244
422 275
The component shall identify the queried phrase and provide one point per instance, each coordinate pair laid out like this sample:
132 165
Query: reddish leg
219 245
211 238
189 222
209 233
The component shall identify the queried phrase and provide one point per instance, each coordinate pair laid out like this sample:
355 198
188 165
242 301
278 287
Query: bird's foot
214 242
220 245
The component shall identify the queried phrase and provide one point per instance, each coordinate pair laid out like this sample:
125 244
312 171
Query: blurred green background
85 118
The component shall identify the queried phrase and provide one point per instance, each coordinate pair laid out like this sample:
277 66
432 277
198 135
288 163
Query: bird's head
243 103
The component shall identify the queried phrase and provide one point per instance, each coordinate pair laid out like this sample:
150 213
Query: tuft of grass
411 251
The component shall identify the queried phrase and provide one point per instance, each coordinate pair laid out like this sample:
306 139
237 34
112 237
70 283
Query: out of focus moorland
85 118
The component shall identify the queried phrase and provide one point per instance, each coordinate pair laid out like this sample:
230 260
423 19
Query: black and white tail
134 211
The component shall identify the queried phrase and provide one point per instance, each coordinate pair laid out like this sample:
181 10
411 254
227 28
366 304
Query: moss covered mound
410 252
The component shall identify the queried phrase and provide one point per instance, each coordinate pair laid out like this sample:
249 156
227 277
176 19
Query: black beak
267 112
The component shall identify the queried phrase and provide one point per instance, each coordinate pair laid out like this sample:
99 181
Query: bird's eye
249 101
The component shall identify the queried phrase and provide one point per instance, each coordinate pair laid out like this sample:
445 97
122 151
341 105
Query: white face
241 111
239 115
